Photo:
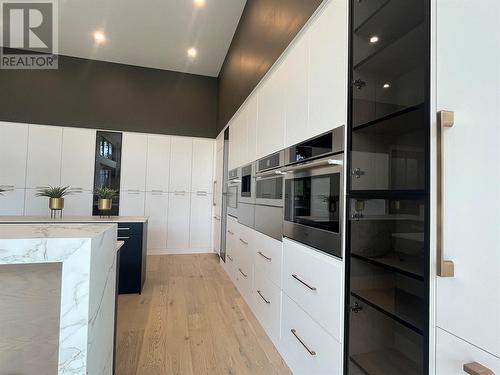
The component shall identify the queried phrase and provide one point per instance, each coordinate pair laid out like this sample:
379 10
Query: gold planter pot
56 203
104 204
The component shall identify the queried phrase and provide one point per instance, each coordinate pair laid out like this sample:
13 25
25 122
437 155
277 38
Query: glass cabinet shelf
386 362
411 266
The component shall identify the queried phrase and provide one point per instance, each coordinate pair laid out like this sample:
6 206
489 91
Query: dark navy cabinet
132 257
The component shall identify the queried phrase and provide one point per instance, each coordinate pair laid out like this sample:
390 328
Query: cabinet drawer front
314 281
126 229
268 257
306 347
244 277
267 305
452 354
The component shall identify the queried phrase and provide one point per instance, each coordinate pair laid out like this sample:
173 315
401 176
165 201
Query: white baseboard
180 251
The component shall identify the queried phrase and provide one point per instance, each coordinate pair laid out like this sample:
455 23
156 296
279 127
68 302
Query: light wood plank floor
191 319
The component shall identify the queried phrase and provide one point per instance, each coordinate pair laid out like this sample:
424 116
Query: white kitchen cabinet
296 92
78 204
271 118
467 81
314 281
178 221
34 205
134 161
252 111
305 346
237 140
217 200
12 202
44 156
200 221
453 353
13 154
203 164
156 209
78 158
158 163
328 37
268 257
181 157
132 203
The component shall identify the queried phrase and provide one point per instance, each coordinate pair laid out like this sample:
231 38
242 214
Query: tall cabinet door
134 154
203 165
181 157
158 168
156 209
44 156
13 153
467 82
78 158
178 220
201 221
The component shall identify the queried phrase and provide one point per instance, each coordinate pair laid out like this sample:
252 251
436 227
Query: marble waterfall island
57 298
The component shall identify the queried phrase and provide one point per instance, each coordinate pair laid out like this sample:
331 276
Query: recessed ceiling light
99 37
386 85
199 3
374 39
192 52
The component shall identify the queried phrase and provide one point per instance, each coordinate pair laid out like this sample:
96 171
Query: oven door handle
269 175
313 164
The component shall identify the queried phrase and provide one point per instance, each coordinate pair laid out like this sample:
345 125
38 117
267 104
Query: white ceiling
150 33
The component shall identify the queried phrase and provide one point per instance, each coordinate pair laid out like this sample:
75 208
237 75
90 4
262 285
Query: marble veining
88 254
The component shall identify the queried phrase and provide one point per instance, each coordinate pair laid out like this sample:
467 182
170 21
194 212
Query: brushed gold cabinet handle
294 332
475 368
445 268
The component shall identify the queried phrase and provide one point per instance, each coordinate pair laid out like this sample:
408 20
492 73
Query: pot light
192 52
199 3
374 39
386 85
99 37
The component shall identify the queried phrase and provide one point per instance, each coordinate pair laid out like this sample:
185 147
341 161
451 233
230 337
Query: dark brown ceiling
265 30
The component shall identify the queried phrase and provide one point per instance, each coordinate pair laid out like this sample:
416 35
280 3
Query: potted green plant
105 197
1 191
56 196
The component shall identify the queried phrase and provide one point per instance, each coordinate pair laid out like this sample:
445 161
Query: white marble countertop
72 219
45 231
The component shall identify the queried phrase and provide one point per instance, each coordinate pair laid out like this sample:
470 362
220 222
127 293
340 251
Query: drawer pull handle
243 241
475 368
123 238
231 233
264 298
263 256
229 257
124 228
245 276
302 282
294 332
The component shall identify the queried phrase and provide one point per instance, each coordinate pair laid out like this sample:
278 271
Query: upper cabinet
181 157
252 117
134 154
13 151
296 92
203 163
158 163
77 162
271 120
328 69
44 156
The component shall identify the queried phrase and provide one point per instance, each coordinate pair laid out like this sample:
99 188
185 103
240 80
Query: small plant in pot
1 191
105 197
56 196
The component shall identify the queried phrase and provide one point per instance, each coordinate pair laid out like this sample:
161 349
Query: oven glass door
313 201
269 188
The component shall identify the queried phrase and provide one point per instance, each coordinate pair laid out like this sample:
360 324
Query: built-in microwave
313 202
232 192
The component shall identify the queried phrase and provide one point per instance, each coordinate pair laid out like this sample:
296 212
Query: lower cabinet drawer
267 305
306 347
452 353
268 254
244 276
315 282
